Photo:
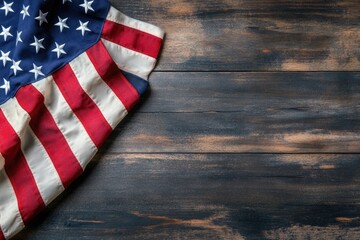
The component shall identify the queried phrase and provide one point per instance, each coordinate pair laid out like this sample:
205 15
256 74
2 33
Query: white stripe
10 218
46 177
109 104
70 126
130 61
115 16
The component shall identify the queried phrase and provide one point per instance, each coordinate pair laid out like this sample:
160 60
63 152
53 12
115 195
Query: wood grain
209 196
242 136
245 112
255 35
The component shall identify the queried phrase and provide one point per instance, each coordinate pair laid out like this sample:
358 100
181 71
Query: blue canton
37 37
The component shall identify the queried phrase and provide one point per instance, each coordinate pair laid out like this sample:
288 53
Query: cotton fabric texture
70 71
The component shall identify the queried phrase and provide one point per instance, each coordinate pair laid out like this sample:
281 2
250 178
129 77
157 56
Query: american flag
70 70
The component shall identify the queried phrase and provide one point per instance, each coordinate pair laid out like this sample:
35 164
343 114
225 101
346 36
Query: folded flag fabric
70 70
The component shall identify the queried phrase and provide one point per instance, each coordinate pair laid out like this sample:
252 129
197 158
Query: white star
6 86
18 37
83 27
87 6
25 11
38 44
64 1
41 17
7 8
36 71
5 57
62 23
5 32
59 49
16 66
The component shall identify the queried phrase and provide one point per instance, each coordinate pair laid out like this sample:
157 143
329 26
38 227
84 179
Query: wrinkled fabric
54 123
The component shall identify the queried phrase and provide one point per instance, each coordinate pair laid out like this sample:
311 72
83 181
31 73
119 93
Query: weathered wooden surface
245 112
237 35
219 149
216 196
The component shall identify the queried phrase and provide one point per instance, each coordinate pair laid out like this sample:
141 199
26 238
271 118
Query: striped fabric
52 128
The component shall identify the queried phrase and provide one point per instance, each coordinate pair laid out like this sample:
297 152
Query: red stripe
131 38
82 105
2 237
27 193
45 128
112 75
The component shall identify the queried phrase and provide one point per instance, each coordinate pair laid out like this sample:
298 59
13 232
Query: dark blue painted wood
216 153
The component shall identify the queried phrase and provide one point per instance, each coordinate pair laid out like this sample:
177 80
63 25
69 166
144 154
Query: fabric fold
58 122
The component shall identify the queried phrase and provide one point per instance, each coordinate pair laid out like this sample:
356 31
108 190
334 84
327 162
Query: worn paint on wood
216 153
209 196
229 35
245 112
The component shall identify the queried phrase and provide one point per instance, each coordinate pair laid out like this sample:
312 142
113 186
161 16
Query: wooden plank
242 35
199 196
245 112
